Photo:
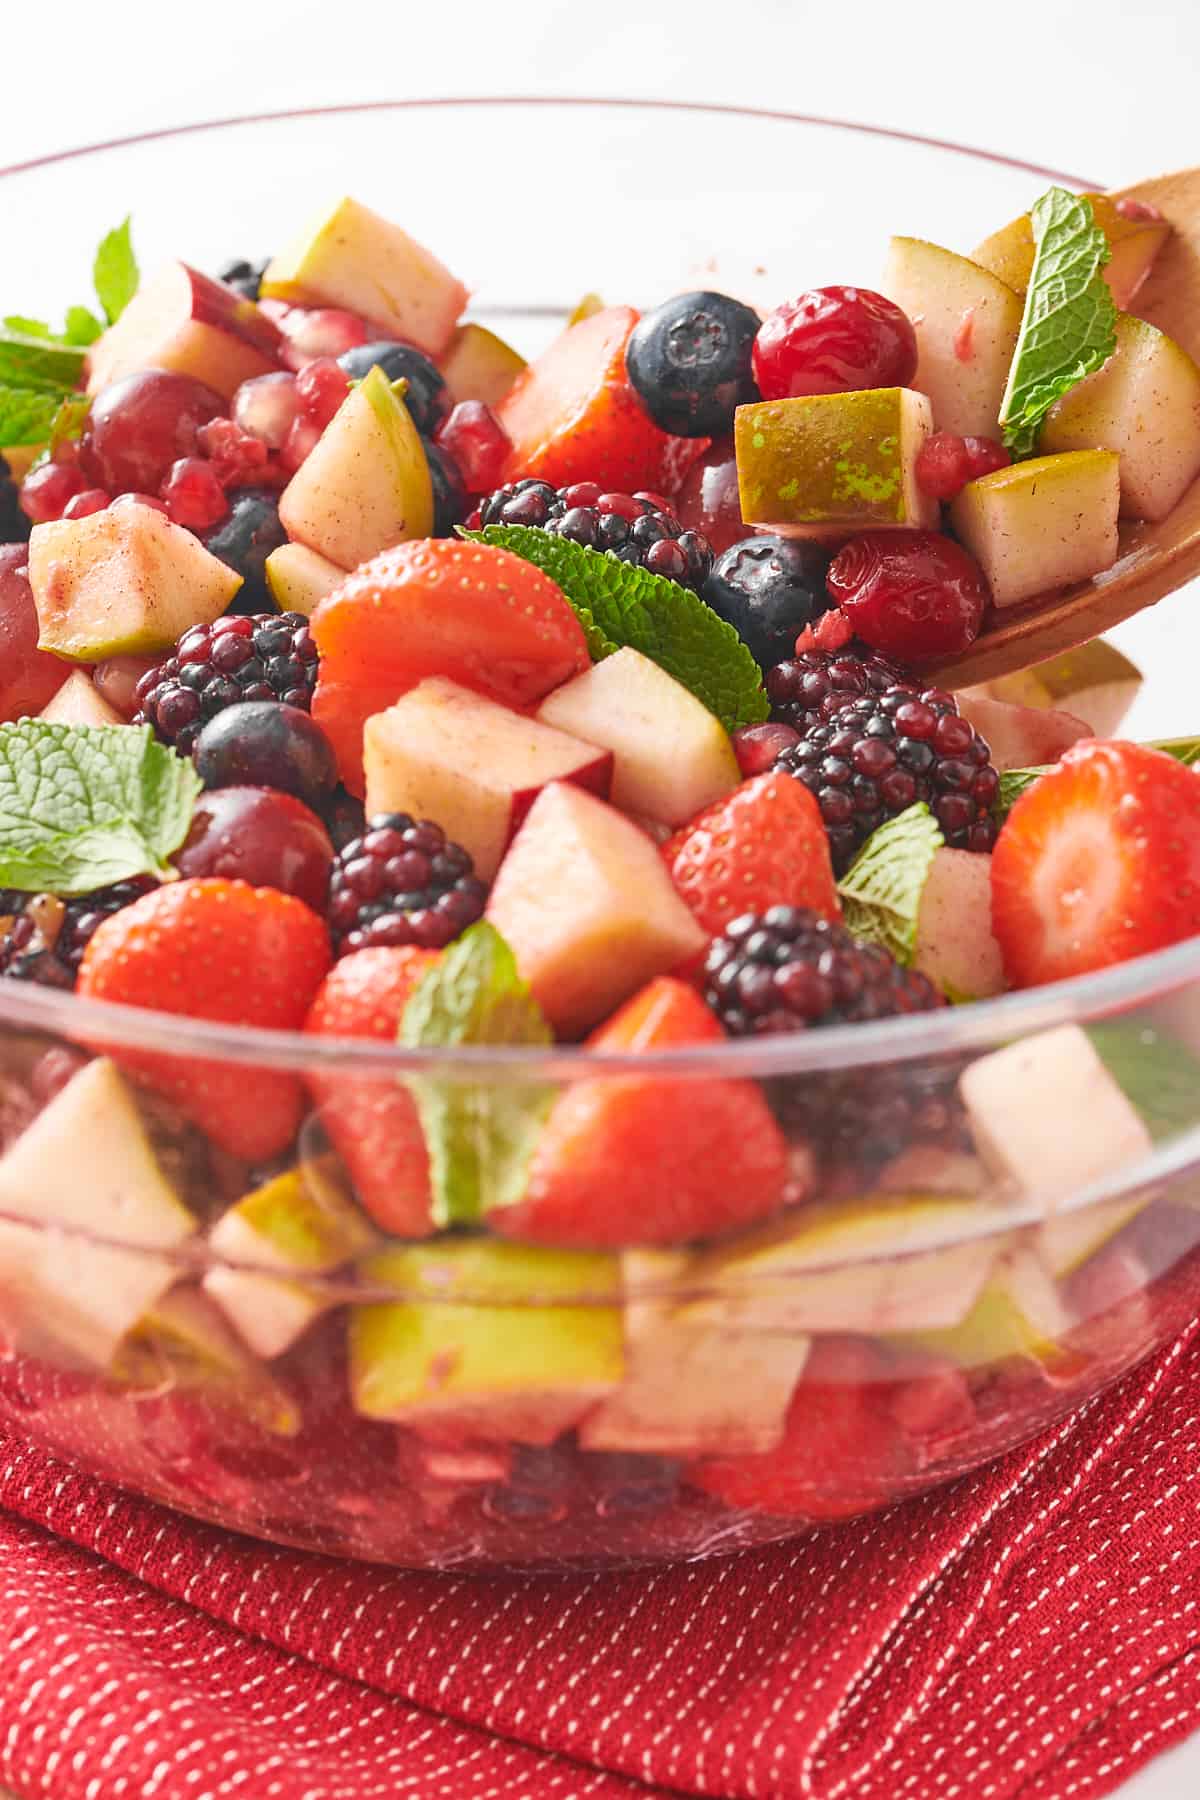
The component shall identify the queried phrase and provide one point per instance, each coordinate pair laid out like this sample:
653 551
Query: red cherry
140 425
47 490
946 462
911 595
476 440
834 340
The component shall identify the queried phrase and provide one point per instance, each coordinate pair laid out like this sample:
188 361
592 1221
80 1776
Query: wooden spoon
1153 560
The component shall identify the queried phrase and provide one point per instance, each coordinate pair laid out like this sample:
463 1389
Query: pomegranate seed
193 494
91 500
1139 209
834 340
46 491
267 407
301 440
140 500
476 440
909 594
236 456
946 462
324 331
757 746
321 386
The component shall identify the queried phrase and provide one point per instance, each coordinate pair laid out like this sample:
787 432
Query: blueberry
263 743
449 495
14 526
426 399
689 360
769 589
244 539
245 277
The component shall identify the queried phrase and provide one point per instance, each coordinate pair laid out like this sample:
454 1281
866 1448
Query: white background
1104 88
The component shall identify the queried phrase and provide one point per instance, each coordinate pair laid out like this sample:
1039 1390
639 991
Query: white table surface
1094 86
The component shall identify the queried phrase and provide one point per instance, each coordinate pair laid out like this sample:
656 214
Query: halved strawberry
1097 862
220 950
572 415
371 1119
472 612
763 845
651 1159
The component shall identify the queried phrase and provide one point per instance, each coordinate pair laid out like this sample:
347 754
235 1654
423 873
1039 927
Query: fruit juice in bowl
539 1024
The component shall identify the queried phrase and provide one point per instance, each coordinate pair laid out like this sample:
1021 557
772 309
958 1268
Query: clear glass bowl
946 1279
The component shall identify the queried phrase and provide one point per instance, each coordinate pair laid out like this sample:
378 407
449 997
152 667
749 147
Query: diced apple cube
966 321
80 702
353 258
585 900
1020 737
445 753
955 946
1020 1311
1144 404
188 323
671 757
479 365
298 578
1096 683
1042 524
1048 1117
830 465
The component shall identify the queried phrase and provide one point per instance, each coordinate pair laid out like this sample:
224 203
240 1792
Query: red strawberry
573 416
225 951
838 1453
472 612
763 845
1097 862
371 1120
648 1159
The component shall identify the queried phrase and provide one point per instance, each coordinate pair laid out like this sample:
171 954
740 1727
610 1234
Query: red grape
834 340
47 491
92 500
29 677
261 836
142 424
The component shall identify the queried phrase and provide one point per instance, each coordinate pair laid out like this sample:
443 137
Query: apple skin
1041 524
1021 737
29 677
185 321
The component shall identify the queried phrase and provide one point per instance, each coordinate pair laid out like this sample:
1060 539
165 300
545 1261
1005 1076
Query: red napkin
1033 1631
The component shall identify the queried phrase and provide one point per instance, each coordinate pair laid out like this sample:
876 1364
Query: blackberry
14 526
402 882
42 938
807 689
244 539
245 277
266 656
788 969
876 755
635 528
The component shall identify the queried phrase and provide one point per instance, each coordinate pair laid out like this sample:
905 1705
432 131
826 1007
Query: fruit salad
474 837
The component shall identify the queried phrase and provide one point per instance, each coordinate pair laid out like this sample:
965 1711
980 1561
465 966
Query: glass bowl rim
948 1031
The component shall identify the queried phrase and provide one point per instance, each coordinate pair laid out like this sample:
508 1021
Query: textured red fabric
1033 1631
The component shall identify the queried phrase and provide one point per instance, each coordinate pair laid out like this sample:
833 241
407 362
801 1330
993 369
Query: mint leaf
626 605
22 327
1159 1077
1069 325
38 362
26 415
85 805
69 420
82 326
881 890
480 1135
115 272
1013 782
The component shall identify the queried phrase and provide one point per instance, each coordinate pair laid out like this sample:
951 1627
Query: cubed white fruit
585 900
1048 1117
1066 1241
1134 244
351 257
692 1388
185 322
125 581
671 757
1020 737
1144 404
298 578
476 767
1042 524
1096 683
365 485
1020 1311
80 702
955 946
479 365
966 321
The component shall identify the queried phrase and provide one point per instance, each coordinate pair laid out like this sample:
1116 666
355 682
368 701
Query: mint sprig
480 1135
881 890
621 605
85 805
1157 1074
1068 330
1015 782
115 271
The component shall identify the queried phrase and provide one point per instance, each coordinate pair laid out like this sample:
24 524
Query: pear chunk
955 946
1095 683
184 1342
365 485
967 322
479 365
487 1340
1135 243
1020 1311
298 578
831 465
351 257
1042 524
1144 404
1020 737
